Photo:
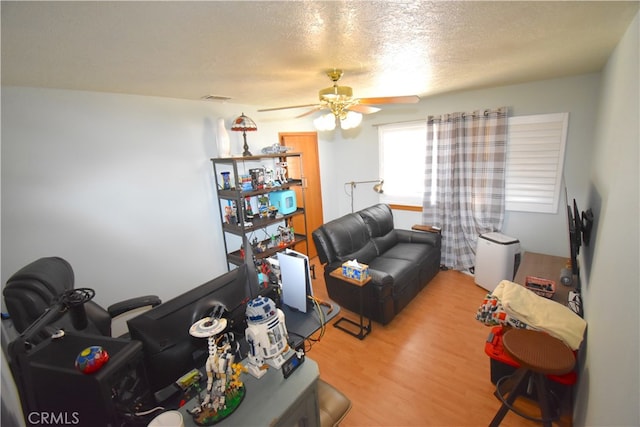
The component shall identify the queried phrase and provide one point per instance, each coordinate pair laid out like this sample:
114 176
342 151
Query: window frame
402 201
537 122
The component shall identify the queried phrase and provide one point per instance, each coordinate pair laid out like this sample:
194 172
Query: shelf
233 194
236 197
258 223
237 159
235 258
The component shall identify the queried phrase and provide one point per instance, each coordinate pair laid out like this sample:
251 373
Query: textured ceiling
271 54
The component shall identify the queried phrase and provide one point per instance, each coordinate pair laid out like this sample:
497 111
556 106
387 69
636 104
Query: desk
274 400
547 267
301 326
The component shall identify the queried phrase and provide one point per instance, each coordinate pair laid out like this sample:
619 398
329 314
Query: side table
361 287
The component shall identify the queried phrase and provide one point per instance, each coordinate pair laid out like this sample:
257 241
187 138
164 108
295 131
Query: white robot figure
220 360
266 335
281 172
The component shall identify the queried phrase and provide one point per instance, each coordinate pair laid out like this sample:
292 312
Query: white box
497 259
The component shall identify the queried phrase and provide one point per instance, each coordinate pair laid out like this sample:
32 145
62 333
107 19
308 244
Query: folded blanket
541 313
492 313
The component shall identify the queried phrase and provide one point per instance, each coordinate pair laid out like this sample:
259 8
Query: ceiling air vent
215 98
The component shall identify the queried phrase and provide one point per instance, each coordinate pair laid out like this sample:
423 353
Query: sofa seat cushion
402 272
413 252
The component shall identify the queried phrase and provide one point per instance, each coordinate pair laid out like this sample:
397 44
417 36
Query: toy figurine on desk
225 391
267 336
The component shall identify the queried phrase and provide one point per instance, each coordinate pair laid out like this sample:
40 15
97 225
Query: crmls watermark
54 418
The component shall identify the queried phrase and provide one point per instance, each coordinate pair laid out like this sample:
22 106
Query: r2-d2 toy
266 335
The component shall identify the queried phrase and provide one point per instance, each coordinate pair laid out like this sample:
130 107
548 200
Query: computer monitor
169 350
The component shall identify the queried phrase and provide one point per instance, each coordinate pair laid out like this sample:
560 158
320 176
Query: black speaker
56 391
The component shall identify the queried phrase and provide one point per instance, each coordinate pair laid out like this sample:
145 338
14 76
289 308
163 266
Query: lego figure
267 336
268 178
281 172
222 372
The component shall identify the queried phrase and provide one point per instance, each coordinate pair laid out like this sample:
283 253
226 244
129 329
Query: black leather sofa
401 262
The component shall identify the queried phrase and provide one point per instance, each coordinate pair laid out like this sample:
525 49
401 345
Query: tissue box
359 273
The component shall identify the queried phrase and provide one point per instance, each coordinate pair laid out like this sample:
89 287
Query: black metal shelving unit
238 166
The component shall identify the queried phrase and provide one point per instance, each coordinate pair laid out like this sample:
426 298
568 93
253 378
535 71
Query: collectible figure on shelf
275 149
268 178
281 172
224 391
248 210
286 235
226 180
263 205
230 215
266 335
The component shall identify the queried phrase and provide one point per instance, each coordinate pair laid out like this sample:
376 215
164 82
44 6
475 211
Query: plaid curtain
464 180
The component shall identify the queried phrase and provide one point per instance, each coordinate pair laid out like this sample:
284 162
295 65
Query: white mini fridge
497 259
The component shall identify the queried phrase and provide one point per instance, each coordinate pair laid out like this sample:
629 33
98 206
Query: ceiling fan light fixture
335 93
351 120
325 122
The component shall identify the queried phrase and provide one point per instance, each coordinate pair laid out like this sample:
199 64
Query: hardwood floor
426 368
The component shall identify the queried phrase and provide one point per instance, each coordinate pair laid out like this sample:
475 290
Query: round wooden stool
539 355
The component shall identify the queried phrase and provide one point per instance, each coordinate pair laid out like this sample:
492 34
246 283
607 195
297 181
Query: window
535 159
402 154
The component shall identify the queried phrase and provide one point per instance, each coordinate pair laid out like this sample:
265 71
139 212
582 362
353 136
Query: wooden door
307 144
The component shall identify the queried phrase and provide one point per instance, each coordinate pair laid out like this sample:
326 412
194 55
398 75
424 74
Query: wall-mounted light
352 184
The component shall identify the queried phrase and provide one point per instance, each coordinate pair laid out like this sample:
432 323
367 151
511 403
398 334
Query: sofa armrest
379 279
427 228
133 303
409 236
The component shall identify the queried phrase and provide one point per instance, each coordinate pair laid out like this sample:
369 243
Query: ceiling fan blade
408 99
364 109
313 110
286 108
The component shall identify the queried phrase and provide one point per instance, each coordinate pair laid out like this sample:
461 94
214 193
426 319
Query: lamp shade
244 124
351 120
346 119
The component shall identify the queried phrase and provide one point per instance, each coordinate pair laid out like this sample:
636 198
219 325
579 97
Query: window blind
535 160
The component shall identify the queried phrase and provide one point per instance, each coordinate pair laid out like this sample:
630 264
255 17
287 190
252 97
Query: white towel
541 313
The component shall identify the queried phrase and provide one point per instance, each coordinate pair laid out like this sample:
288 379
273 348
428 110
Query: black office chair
37 286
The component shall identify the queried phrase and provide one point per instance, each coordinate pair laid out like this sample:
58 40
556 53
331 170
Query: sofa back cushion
379 221
349 239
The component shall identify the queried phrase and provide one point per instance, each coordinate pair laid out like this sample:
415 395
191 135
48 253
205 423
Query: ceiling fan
343 107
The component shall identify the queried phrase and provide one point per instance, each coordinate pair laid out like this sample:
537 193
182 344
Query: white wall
609 386
354 154
120 186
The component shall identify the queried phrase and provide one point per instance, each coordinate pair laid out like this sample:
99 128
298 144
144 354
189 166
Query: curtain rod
375 125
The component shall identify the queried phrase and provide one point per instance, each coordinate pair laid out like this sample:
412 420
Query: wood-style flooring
426 368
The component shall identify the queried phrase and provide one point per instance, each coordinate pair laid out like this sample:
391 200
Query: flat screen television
169 350
575 235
